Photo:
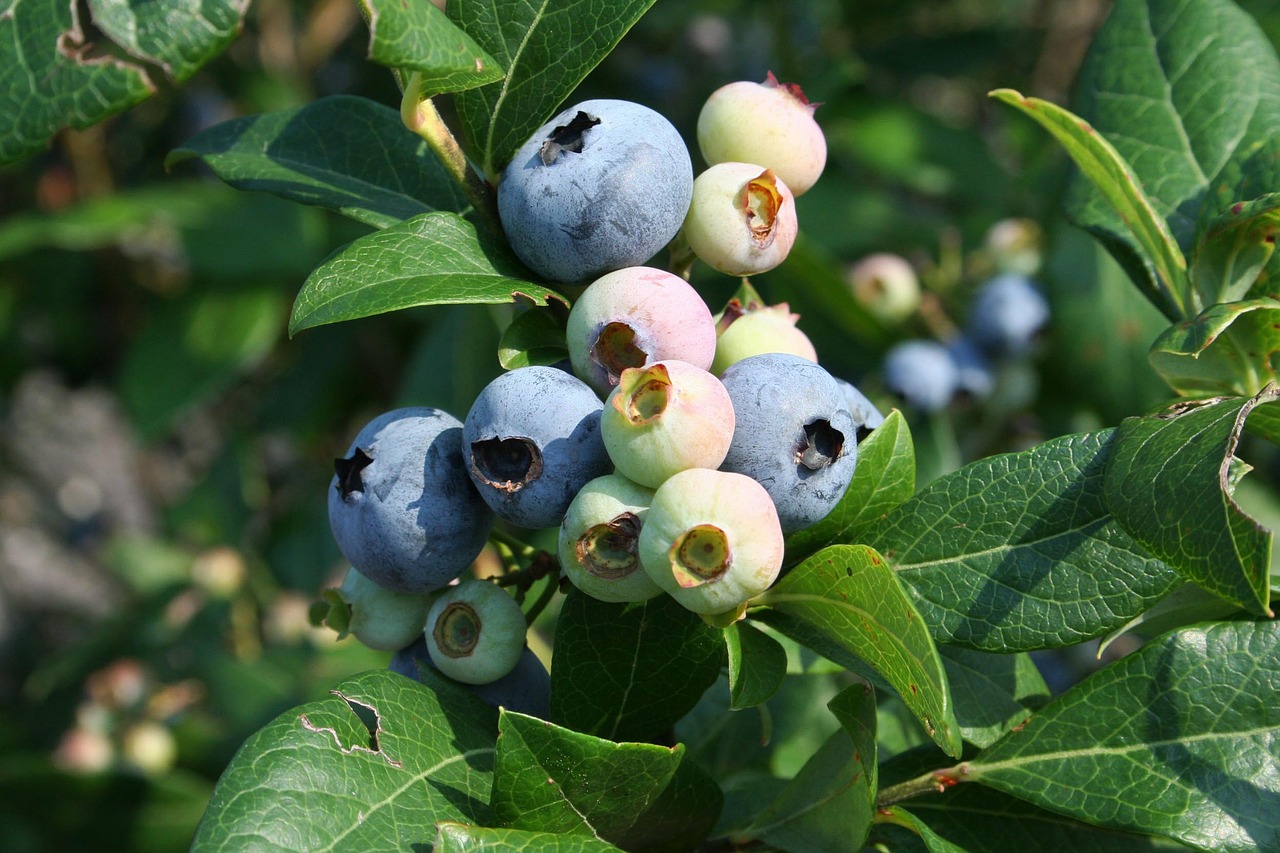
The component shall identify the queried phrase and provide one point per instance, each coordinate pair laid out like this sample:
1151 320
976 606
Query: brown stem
933 782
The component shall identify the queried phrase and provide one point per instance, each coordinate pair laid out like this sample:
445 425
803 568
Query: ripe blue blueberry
531 441
602 186
793 434
525 689
1006 315
401 506
922 373
866 417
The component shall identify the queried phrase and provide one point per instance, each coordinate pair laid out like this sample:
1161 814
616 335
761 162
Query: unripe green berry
742 333
886 285
475 632
380 618
599 538
742 220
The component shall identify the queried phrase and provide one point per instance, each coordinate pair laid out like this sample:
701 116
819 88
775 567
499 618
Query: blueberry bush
668 581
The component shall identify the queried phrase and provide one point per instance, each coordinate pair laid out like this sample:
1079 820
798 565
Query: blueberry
602 186
922 373
378 617
711 540
665 418
531 440
886 285
793 433
742 219
599 538
633 317
401 506
1015 245
475 632
1006 315
973 371
769 123
866 417
525 689
743 332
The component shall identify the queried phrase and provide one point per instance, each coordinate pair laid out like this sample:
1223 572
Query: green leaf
1228 349
992 693
547 48
462 838
535 336
1234 249
1186 605
343 153
855 708
373 766
849 594
884 477
420 37
178 35
933 842
628 672
827 806
1189 95
757 665
55 77
433 259
1180 738
634 795
1122 189
1167 484
1020 552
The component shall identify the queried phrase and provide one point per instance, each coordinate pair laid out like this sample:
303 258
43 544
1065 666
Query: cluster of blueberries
1007 315
673 451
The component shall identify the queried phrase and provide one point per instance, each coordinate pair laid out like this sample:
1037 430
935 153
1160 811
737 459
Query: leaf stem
421 116
933 782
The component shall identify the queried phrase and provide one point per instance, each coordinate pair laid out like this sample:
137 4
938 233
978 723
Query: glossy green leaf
463 838
547 48
628 672
55 77
344 153
535 336
1167 484
757 665
1234 249
934 843
1186 605
1020 552
1180 738
855 708
992 693
849 594
178 35
433 259
1116 182
1189 95
884 477
827 806
371 767
420 37
634 795
1231 348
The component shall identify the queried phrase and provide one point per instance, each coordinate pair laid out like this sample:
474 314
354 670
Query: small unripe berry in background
886 285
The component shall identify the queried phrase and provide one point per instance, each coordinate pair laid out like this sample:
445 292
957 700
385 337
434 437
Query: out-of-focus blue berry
922 373
1006 315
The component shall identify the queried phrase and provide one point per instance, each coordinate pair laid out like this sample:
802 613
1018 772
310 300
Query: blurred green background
166 448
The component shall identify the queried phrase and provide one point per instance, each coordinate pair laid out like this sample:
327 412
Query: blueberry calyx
506 463
348 471
822 445
566 137
700 556
760 204
608 550
457 630
615 350
647 396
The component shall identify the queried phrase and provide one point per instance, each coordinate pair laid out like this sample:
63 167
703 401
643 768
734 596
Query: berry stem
544 598
517 547
421 116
